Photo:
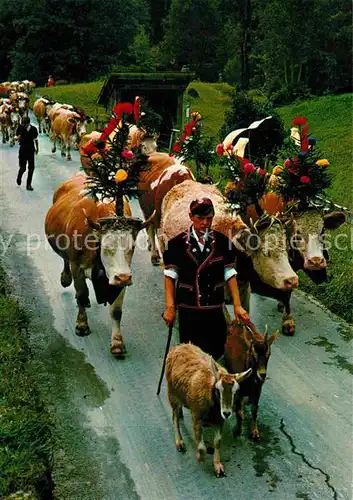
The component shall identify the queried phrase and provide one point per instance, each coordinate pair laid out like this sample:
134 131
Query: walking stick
170 331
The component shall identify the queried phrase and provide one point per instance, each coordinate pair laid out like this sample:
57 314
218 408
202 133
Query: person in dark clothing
27 135
198 263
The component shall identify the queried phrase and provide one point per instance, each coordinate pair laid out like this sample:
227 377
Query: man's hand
169 316
241 315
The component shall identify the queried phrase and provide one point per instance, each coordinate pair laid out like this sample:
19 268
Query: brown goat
196 381
246 348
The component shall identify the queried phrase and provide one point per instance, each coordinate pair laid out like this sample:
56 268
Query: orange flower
120 176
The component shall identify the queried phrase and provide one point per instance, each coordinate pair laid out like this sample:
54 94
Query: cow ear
334 220
91 223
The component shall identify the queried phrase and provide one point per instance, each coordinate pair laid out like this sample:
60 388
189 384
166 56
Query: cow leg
179 443
117 347
65 277
68 153
39 125
53 138
288 324
155 257
82 299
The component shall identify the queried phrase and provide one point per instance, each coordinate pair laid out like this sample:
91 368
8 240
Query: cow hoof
288 328
117 347
53 150
65 280
255 436
155 261
68 158
82 330
280 307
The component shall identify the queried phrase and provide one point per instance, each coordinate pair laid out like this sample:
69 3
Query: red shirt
50 82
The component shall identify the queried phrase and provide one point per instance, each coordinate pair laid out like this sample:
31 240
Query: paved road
115 438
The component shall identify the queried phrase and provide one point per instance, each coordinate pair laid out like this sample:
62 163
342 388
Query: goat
246 348
196 381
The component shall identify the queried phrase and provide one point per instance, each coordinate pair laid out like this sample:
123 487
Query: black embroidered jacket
200 274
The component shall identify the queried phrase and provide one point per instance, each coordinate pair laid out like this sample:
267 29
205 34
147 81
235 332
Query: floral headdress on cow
114 168
304 174
248 182
193 145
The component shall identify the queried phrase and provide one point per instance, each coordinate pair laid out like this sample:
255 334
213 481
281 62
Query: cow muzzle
290 283
121 280
315 263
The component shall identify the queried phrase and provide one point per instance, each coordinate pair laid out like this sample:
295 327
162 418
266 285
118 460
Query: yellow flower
120 176
322 163
196 116
231 186
273 180
277 170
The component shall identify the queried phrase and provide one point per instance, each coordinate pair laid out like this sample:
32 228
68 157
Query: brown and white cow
264 242
9 121
41 108
163 174
94 243
66 125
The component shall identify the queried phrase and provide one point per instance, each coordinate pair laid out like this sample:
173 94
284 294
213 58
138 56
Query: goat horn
265 334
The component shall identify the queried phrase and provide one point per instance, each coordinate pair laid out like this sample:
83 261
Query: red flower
299 120
287 163
90 149
230 147
109 129
220 149
137 108
249 168
127 154
121 109
176 147
304 140
183 136
189 127
305 179
261 172
294 170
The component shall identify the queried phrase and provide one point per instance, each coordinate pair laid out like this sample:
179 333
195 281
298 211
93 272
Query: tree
191 36
140 51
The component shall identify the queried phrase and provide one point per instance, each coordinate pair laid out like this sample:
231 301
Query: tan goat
196 381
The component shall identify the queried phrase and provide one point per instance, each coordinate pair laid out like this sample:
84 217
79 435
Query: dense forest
287 49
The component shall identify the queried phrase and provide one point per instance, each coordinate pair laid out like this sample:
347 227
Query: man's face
201 222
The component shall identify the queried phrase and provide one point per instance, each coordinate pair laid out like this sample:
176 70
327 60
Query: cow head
265 242
149 143
305 233
117 238
78 124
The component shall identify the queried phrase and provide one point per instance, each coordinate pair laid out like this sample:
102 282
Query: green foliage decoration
305 174
114 168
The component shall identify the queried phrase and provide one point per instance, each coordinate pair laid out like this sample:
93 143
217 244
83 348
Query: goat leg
217 464
200 444
176 423
255 435
240 416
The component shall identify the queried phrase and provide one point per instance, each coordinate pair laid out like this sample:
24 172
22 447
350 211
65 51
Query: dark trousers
24 158
205 328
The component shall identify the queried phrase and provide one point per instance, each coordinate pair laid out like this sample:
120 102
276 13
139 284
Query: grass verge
25 426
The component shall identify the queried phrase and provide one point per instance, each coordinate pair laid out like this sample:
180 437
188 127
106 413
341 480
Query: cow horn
149 220
252 226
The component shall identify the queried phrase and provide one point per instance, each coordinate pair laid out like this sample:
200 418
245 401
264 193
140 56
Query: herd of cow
95 243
